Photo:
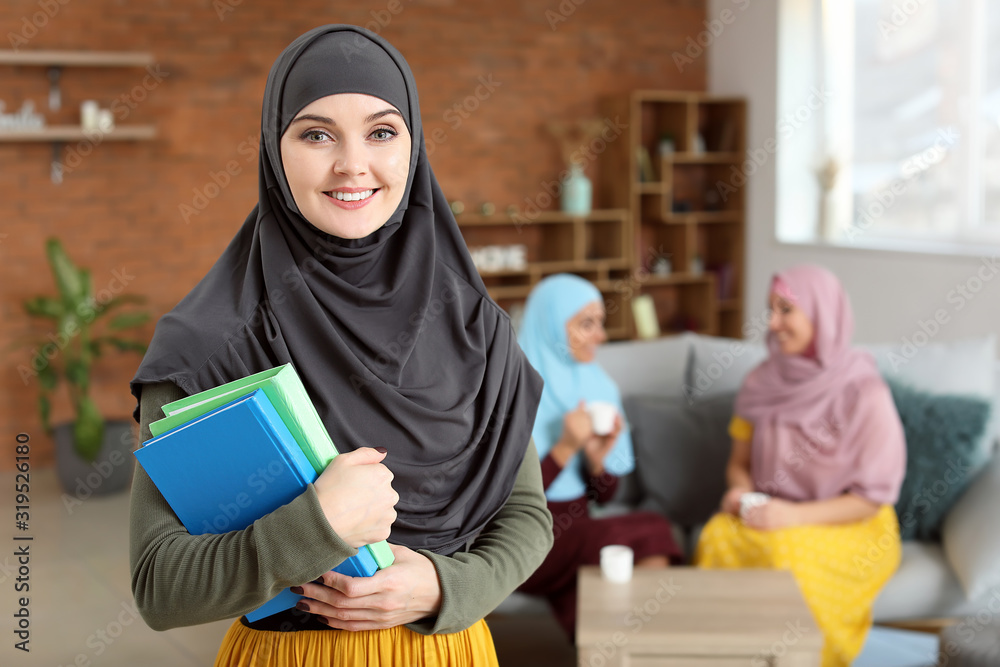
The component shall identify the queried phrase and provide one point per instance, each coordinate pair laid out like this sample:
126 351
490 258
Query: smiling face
585 332
346 158
792 328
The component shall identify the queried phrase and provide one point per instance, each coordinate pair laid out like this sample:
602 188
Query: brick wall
125 209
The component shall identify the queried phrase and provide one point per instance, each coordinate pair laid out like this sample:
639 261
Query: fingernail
297 590
301 606
322 619
381 450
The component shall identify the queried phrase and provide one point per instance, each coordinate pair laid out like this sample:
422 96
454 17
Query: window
909 147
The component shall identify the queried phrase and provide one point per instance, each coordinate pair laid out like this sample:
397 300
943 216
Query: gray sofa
678 393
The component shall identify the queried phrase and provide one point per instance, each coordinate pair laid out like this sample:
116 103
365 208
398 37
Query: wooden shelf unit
595 247
688 209
57 135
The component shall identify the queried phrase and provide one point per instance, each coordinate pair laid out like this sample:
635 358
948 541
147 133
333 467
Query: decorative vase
576 192
110 473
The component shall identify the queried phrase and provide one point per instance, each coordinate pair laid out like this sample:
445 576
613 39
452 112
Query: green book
288 396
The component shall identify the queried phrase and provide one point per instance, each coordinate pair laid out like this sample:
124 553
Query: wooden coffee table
687 617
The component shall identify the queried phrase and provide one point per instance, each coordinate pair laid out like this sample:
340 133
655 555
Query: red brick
120 206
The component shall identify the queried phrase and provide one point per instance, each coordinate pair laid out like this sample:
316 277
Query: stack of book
225 457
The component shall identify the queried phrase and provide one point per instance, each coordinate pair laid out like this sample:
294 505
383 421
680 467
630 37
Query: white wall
892 292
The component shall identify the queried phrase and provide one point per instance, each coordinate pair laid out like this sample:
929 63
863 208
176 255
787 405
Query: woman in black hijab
352 268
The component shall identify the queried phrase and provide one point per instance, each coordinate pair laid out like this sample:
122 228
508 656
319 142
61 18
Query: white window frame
831 218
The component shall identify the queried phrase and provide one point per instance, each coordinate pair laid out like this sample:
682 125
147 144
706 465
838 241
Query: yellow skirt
399 646
839 568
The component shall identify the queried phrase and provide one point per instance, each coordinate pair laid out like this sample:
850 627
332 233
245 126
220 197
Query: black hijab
393 335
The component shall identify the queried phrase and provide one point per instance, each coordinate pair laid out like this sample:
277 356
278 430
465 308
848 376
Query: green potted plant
92 454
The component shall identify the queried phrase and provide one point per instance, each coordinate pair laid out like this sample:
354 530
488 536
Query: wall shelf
58 135
705 158
678 209
544 217
594 246
668 208
76 58
64 133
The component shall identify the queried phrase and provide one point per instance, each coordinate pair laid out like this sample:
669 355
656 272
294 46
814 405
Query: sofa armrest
970 534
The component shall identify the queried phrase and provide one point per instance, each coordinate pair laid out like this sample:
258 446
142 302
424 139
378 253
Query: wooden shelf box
684 203
595 247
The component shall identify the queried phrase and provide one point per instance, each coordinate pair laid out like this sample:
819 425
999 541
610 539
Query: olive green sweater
180 579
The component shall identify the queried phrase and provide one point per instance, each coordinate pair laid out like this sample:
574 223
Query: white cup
492 258
751 500
602 416
616 563
105 120
516 257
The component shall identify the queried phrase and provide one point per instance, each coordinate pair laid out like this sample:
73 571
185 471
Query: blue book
231 466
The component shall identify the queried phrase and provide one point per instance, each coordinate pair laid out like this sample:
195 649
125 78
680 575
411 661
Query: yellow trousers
840 569
243 647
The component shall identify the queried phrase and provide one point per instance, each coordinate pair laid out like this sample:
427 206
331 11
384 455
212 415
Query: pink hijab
824 422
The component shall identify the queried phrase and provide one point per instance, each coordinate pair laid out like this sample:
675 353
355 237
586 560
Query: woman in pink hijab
817 462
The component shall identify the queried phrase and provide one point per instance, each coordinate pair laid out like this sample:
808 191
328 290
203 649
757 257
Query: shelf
57 135
76 58
703 158
650 188
509 292
566 266
692 97
676 278
703 217
545 217
62 133
537 270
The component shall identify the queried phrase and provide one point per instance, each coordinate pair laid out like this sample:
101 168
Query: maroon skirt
578 541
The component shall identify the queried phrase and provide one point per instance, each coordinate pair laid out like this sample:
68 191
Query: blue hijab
553 302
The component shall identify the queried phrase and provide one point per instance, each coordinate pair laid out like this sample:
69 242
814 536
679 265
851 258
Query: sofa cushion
971 534
943 450
959 367
718 365
681 452
922 587
647 367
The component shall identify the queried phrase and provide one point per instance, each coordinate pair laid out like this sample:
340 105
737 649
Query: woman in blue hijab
562 327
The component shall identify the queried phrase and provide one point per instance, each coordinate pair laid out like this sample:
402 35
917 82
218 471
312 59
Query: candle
89 112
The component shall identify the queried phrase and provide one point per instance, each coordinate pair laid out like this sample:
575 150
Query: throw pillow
681 453
959 368
943 436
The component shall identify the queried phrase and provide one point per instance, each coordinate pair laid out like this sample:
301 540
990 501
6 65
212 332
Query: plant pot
110 472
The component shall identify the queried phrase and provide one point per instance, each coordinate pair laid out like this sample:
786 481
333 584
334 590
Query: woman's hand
731 501
577 430
597 448
772 515
356 494
577 427
406 591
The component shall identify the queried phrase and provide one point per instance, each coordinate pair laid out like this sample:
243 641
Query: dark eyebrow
380 114
314 118
329 121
